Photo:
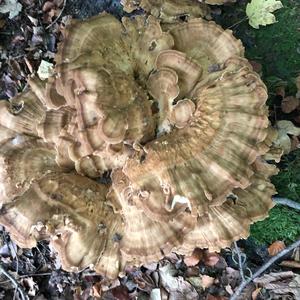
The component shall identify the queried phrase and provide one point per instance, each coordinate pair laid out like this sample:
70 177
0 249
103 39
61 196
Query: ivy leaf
259 12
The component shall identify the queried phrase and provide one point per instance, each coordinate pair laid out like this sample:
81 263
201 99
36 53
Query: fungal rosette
176 118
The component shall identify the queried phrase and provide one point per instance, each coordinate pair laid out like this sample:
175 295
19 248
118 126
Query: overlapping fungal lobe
86 109
206 43
23 159
145 239
212 151
221 225
146 40
22 113
98 81
71 211
169 11
271 151
217 2
6 133
104 101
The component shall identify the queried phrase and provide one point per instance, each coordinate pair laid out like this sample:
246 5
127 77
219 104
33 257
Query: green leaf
259 12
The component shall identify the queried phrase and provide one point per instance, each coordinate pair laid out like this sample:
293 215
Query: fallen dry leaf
231 277
51 9
176 286
155 294
211 259
280 91
2 23
285 128
120 293
276 247
281 284
201 281
255 293
267 278
289 104
290 264
97 290
295 143
296 254
228 289
30 286
194 259
257 67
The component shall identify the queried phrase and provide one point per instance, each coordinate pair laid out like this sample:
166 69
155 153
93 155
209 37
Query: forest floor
28 35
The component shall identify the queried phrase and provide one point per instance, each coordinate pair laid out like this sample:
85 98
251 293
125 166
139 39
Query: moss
287 182
283 224
277 48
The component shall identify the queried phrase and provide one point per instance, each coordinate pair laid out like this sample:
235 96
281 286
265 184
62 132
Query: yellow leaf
259 12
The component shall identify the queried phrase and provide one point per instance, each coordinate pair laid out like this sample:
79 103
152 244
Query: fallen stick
287 202
263 268
241 268
14 283
57 18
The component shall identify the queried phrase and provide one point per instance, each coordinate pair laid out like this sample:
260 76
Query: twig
12 249
241 269
57 18
287 202
14 282
263 268
28 275
237 23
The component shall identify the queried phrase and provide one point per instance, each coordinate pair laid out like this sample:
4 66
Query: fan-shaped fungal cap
22 113
220 225
188 71
23 159
71 211
147 40
46 92
182 113
6 133
206 43
145 239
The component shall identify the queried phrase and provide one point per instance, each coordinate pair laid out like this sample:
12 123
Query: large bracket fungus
178 118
